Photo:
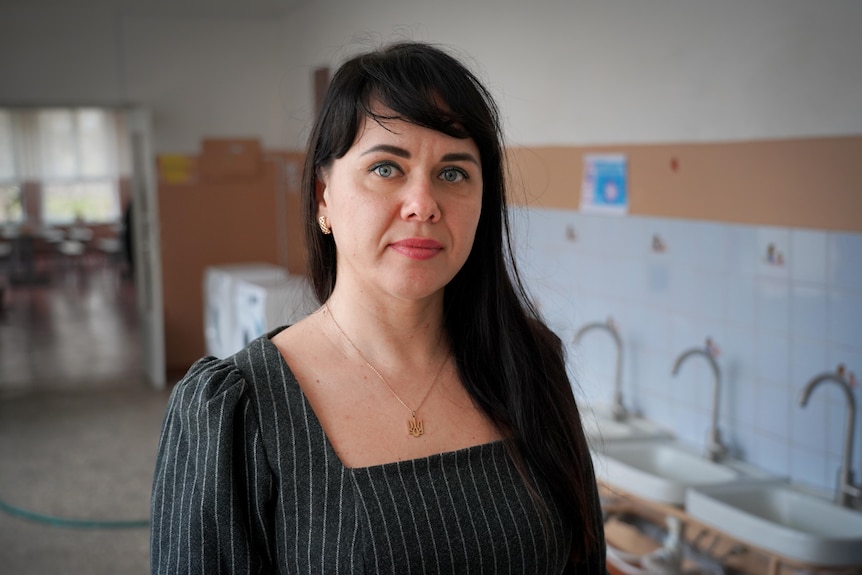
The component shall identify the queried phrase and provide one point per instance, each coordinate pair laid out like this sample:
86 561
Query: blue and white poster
604 188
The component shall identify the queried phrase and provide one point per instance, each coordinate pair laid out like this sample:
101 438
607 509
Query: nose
420 203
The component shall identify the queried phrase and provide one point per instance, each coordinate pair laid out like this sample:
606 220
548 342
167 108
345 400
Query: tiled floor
79 329
78 425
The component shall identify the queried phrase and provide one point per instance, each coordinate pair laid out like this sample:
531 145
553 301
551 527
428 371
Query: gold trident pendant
414 426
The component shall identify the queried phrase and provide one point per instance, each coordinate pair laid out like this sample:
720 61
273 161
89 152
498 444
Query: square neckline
315 422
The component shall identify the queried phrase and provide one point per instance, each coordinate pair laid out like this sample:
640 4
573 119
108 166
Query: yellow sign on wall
177 169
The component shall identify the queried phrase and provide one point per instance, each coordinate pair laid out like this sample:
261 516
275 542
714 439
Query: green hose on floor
73 523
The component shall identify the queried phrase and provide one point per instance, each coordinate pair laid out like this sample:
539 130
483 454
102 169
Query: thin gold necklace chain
383 379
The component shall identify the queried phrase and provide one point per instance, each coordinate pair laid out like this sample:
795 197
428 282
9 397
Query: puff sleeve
213 491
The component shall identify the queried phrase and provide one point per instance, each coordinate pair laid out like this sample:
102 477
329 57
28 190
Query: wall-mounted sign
176 169
604 189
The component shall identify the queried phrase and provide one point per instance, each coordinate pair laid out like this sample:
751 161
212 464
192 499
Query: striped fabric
247 482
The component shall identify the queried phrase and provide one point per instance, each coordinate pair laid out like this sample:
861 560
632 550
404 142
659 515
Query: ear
321 191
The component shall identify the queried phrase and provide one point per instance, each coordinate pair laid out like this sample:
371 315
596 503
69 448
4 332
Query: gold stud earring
321 221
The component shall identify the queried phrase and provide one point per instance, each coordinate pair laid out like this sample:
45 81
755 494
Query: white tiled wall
777 324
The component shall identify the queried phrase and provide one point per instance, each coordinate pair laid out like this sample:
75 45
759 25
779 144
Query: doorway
79 258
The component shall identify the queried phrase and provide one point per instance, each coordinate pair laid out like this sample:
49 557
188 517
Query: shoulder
252 390
209 382
231 379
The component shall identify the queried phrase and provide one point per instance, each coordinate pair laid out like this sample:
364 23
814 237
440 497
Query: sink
781 518
600 427
658 470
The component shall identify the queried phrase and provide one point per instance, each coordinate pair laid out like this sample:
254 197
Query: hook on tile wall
774 256
658 245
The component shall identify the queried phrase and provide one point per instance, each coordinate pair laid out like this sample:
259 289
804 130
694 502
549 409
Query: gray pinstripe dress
247 482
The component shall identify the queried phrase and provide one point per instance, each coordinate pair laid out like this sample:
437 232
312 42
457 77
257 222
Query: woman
421 421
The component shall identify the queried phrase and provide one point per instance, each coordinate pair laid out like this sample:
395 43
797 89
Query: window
10 192
79 162
74 154
87 201
10 204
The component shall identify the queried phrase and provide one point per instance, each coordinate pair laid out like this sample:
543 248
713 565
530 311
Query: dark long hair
511 364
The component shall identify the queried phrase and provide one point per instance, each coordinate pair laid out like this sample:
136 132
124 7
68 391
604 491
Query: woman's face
403 204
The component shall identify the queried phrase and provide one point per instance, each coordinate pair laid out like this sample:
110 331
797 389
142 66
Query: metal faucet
715 449
618 411
846 491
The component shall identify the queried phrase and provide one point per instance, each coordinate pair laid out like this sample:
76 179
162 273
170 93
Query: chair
79 234
6 249
5 265
53 235
72 252
111 249
10 232
83 235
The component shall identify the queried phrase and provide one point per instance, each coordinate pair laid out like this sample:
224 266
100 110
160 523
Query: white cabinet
220 318
264 304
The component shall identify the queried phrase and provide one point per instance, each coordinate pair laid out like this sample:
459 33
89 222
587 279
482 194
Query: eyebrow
402 153
460 157
394 150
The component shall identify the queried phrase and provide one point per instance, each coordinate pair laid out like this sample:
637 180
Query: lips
417 248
